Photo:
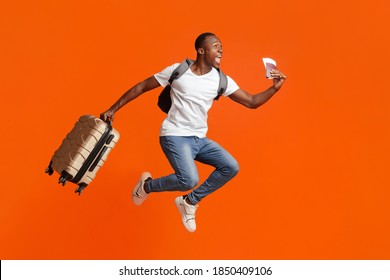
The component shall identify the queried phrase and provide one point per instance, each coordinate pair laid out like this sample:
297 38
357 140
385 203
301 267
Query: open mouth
218 60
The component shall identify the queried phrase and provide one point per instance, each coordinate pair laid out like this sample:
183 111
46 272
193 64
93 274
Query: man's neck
200 67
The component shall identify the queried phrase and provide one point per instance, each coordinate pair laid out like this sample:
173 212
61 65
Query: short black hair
199 41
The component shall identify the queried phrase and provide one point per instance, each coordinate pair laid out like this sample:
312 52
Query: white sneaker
187 212
139 194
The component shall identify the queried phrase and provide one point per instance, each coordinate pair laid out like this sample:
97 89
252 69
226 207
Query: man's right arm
140 88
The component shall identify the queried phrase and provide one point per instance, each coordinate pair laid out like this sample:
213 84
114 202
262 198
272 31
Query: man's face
212 47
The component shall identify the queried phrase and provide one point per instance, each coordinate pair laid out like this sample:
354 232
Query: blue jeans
181 152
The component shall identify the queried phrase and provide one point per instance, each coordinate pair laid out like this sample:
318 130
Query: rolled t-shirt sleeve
163 76
231 87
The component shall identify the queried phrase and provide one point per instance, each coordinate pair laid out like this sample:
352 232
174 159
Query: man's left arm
254 101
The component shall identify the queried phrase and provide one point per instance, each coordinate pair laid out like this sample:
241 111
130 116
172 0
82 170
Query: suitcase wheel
62 180
64 177
49 170
80 188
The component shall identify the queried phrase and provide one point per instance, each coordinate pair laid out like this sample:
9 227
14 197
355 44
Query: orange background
314 160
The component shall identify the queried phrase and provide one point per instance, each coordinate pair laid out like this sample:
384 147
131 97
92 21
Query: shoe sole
182 211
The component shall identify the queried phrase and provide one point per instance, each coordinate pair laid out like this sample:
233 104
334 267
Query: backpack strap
180 70
186 64
222 84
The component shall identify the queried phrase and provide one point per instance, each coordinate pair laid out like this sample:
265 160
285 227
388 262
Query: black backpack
164 99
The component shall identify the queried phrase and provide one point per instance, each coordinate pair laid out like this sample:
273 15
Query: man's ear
201 51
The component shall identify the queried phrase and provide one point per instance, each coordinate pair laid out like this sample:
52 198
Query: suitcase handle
99 157
108 120
95 152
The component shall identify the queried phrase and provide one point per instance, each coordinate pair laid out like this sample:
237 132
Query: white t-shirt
192 96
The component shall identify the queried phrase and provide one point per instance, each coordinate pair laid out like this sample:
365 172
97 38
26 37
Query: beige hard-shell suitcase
83 151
